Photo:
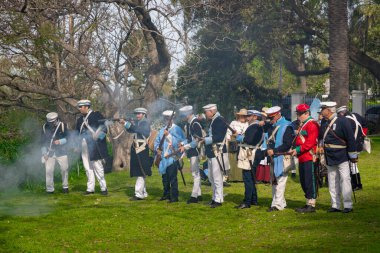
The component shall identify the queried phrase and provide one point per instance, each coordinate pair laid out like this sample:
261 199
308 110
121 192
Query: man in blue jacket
279 141
169 164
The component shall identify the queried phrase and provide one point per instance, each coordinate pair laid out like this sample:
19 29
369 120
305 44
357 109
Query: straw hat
242 112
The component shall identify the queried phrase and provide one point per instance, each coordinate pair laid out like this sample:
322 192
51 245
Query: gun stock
113 119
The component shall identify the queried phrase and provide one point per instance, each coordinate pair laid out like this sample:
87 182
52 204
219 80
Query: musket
228 126
176 152
273 176
183 178
317 174
282 153
114 119
158 158
179 167
224 165
251 163
349 164
220 165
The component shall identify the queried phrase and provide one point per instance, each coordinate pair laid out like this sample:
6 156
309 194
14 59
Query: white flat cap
83 102
342 109
168 113
186 110
210 107
51 116
328 104
140 110
254 112
273 110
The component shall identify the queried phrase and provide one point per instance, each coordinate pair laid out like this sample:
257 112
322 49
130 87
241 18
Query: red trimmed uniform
306 141
306 144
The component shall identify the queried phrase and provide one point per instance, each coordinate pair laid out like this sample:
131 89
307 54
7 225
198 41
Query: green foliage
17 128
32 221
218 68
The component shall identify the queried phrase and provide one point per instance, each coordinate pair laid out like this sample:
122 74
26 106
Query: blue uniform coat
216 134
192 128
177 136
344 137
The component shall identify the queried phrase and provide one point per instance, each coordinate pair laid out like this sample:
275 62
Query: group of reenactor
263 137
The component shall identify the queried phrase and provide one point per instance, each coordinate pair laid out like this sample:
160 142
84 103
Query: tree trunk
361 58
301 68
121 143
158 54
338 54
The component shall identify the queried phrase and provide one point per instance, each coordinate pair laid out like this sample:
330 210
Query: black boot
192 200
306 209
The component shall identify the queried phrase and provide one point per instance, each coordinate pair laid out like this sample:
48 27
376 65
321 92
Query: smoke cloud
26 175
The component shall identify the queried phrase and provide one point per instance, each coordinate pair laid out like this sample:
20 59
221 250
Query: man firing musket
93 145
140 162
166 141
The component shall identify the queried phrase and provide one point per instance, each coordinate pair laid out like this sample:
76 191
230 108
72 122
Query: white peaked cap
186 110
273 110
328 104
51 116
83 102
168 113
140 110
342 109
210 107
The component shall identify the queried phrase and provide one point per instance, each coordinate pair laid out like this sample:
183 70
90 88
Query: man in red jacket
305 148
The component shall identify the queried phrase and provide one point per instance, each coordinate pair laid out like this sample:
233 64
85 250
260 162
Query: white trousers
194 165
278 192
340 184
140 188
215 176
93 169
49 168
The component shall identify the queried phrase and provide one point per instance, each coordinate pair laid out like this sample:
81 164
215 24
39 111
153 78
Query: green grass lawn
31 221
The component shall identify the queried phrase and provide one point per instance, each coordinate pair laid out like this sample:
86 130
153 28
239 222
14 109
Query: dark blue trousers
170 182
250 193
307 179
